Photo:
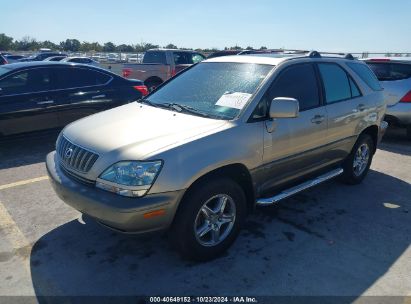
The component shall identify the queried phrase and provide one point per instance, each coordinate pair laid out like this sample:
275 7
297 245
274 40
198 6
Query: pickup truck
161 64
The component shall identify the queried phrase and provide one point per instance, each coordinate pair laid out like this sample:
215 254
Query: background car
394 73
13 58
161 64
83 60
41 56
55 58
3 60
44 95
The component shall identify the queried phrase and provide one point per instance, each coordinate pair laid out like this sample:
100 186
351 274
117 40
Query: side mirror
284 107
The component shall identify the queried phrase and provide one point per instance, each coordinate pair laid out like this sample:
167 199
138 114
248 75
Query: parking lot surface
331 240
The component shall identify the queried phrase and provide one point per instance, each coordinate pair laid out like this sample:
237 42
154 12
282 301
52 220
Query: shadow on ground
331 240
26 149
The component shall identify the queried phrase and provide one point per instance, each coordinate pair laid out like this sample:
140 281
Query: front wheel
209 219
358 163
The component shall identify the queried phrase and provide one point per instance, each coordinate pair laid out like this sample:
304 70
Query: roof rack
315 54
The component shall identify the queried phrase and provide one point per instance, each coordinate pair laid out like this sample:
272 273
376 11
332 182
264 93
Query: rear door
346 109
295 146
81 92
26 101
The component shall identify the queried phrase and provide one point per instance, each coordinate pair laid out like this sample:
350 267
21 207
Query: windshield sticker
236 100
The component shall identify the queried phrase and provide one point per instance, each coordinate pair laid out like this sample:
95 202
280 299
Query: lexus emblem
68 153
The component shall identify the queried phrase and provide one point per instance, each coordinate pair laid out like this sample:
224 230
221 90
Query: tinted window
27 82
2 60
204 86
390 71
299 82
336 83
155 57
187 57
80 60
355 92
364 72
79 77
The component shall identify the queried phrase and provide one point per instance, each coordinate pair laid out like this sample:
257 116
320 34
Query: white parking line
23 182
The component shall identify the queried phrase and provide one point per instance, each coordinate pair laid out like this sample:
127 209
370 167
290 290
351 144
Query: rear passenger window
299 82
80 77
30 81
336 83
364 72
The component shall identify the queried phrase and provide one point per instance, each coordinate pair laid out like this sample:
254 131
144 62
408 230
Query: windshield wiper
148 102
184 108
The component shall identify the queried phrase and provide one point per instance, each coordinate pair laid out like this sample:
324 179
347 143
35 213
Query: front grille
78 178
75 157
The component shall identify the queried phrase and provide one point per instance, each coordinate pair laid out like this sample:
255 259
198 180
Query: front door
294 147
26 101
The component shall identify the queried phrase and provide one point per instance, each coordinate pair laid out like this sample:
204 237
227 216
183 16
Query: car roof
387 59
22 65
248 59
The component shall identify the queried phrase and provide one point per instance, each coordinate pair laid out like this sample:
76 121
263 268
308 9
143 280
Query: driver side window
298 81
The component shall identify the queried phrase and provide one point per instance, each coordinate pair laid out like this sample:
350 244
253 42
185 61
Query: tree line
28 43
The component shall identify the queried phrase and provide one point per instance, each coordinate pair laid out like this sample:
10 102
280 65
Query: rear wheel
358 163
152 84
209 220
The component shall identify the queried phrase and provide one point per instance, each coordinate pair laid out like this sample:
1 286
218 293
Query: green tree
109 47
49 45
125 48
250 48
72 45
6 42
143 46
171 46
26 43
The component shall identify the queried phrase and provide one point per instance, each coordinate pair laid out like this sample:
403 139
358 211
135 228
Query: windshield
216 89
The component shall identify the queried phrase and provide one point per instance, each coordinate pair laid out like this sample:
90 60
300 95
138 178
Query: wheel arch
373 132
237 172
153 79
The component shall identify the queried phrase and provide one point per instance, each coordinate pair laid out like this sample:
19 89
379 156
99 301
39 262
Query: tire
152 85
355 173
191 217
408 132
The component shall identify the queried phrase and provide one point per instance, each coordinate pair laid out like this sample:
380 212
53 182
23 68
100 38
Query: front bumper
401 112
117 212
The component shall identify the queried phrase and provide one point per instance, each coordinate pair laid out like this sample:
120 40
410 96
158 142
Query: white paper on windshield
236 100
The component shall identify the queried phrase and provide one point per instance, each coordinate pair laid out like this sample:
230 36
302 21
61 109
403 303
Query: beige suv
226 135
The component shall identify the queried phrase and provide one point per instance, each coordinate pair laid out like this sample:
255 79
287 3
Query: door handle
361 107
98 96
317 119
45 102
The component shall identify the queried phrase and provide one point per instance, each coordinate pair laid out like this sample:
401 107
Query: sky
325 25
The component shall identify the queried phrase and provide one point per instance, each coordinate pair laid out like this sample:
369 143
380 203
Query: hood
134 131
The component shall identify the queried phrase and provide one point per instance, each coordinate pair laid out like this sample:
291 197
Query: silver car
394 74
222 137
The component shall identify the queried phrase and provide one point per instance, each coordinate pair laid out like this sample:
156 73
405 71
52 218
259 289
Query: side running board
296 189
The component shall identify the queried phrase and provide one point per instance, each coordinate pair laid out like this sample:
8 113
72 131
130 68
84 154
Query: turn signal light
142 88
154 213
406 98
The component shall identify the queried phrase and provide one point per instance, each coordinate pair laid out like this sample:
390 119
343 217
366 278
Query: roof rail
316 54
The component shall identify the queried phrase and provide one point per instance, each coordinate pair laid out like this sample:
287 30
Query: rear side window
299 82
364 72
29 81
336 82
386 71
155 57
187 57
79 77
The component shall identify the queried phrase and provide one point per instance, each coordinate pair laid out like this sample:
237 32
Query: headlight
129 178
